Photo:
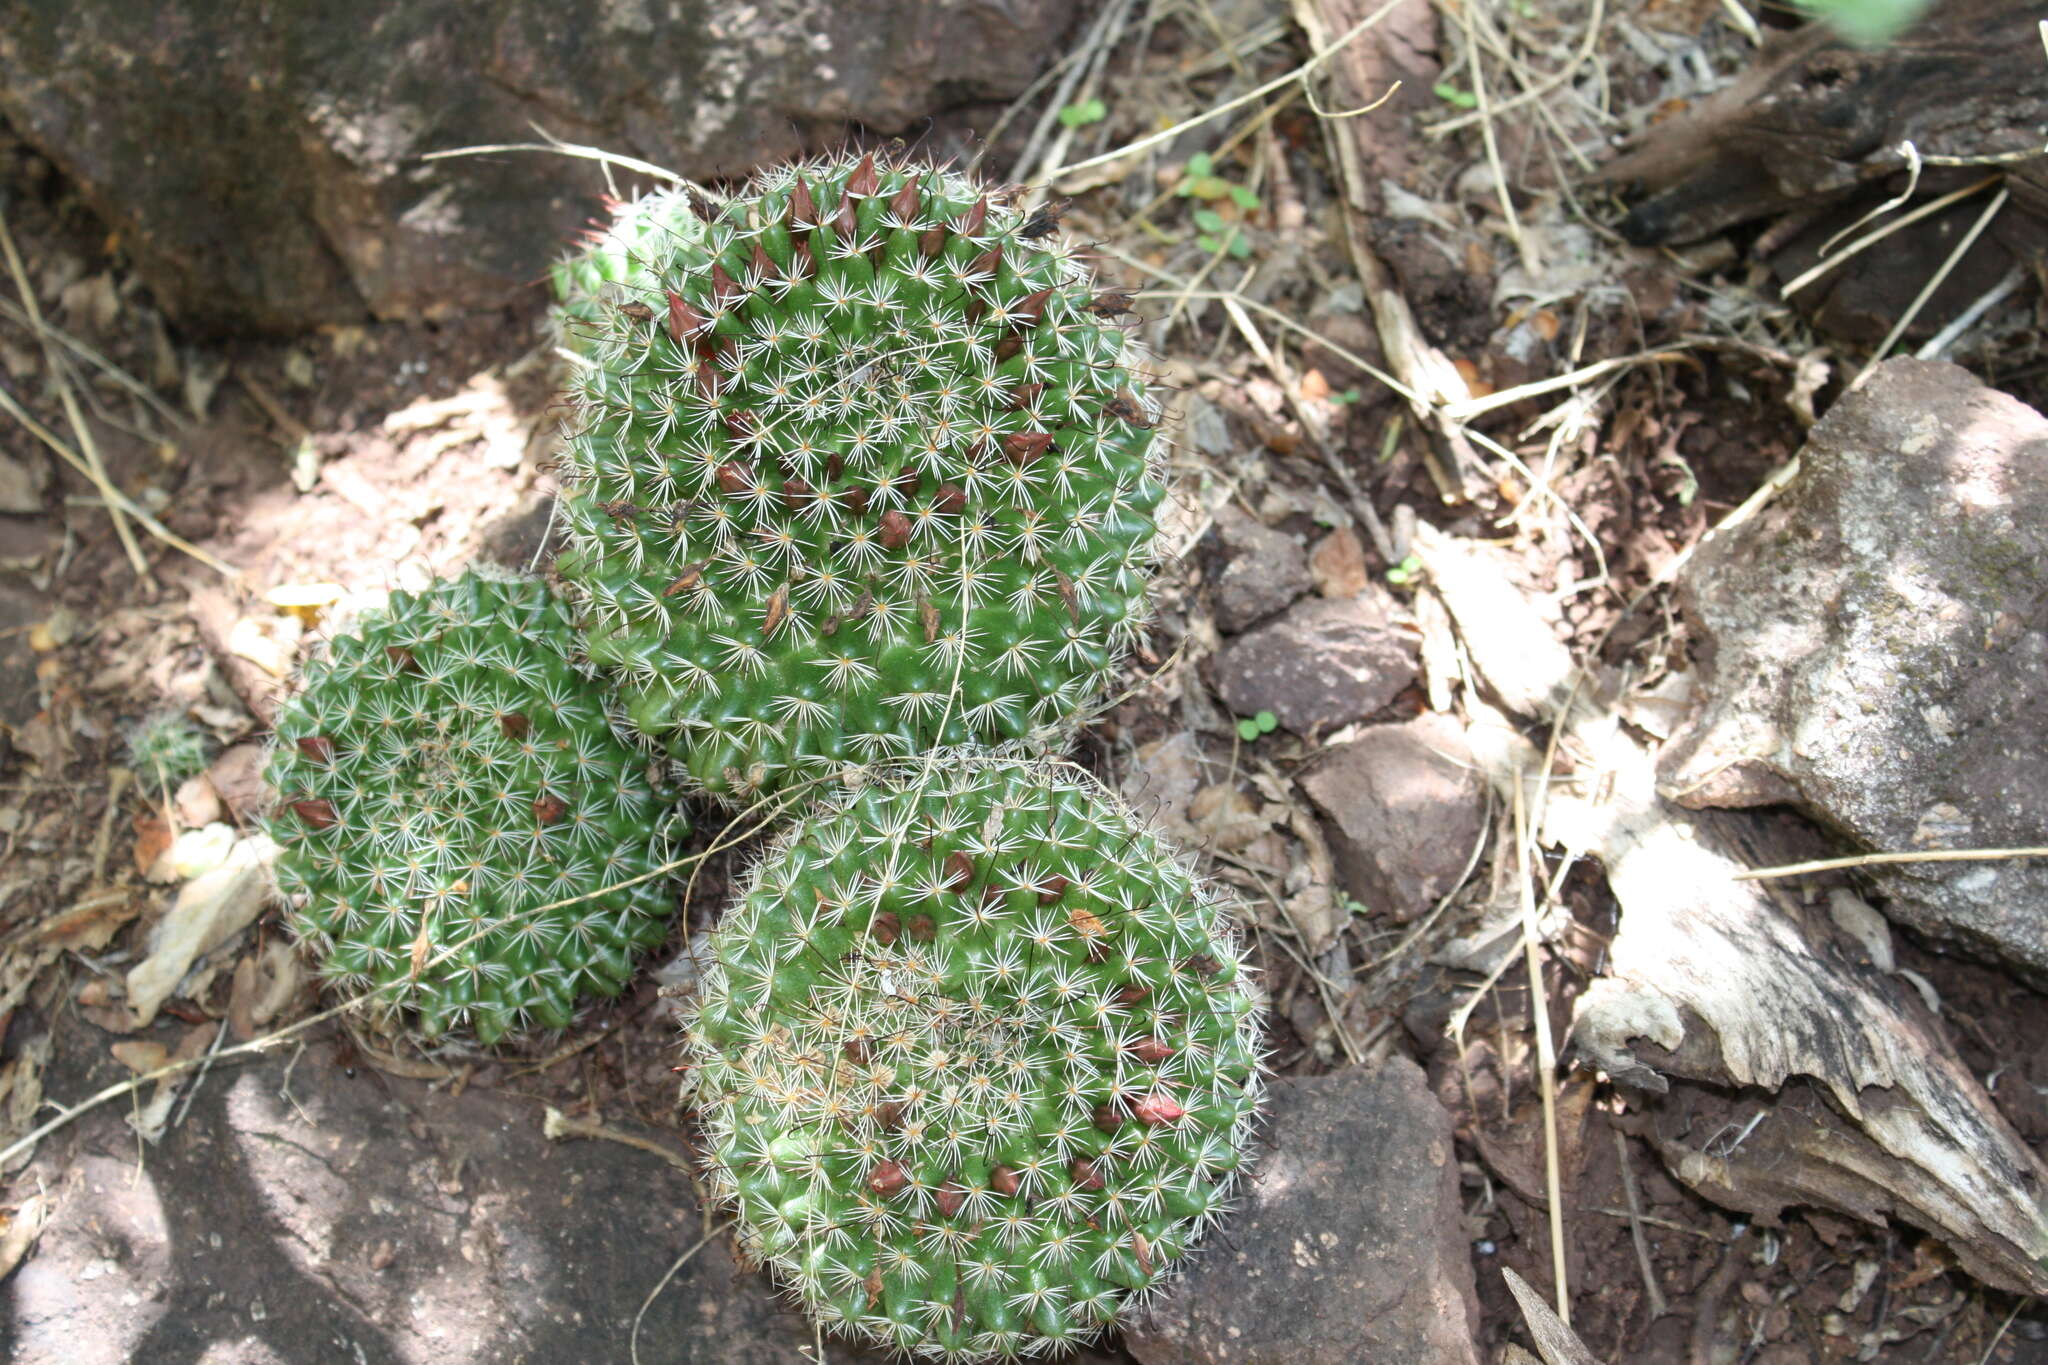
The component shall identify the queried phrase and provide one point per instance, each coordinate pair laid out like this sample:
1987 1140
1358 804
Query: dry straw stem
1541 87
116 499
1941 273
1299 73
633 1341
93 468
1546 1049
550 143
1933 855
1876 235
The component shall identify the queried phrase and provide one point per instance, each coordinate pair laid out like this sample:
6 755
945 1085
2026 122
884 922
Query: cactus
617 262
446 778
859 468
976 1059
164 750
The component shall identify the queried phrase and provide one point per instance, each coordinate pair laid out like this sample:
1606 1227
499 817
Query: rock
25 542
1322 664
1874 649
1267 570
1403 807
1348 1248
1338 564
267 176
22 483
310 1215
20 608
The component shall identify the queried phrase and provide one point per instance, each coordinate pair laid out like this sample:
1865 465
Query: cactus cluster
860 467
457 822
860 482
976 1057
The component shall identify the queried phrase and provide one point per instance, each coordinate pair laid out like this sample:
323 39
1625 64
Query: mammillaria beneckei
446 779
977 1058
860 466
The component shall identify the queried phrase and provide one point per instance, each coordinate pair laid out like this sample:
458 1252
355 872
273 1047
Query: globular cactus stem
861 465
458 825
976 1058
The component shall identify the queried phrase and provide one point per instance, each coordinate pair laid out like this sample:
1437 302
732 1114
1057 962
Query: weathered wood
1720 981
1816 119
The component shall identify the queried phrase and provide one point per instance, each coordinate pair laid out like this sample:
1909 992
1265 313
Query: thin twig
1301 72
114 496
1969 317
95 468
1541 87
1932 855
633 1342
1492 144
1876 235
1546 1054
1658 1307
1941 273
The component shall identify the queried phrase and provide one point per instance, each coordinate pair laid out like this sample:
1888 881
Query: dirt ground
371 456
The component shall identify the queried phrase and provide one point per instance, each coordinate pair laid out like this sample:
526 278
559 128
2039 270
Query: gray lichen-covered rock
1874 649
1320 664
263 166
1350 1247
1265 570
1403 806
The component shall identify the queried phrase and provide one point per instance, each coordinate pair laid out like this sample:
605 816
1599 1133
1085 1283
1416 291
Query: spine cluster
860 467
976 1059
458 825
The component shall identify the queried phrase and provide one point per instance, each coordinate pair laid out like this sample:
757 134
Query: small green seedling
1083 113
1452 95
1405 571
1217 233
1251 727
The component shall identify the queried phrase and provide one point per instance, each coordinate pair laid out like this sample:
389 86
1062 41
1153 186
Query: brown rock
1402 806
1338 564
1319 665
1875 650
1349 1248
269 176
1266 571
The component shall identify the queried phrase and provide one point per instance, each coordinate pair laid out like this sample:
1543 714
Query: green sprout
1083 113
1217 233
1405 571
1251 727
1452 95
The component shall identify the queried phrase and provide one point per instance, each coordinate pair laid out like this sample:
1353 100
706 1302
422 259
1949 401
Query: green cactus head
164 750
860 466
619 262
456 819
976 1059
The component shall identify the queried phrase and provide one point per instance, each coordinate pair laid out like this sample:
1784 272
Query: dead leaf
307 601
264 984
20 1231
140 1056
238 776
197 803
269 642
152 840
209 910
